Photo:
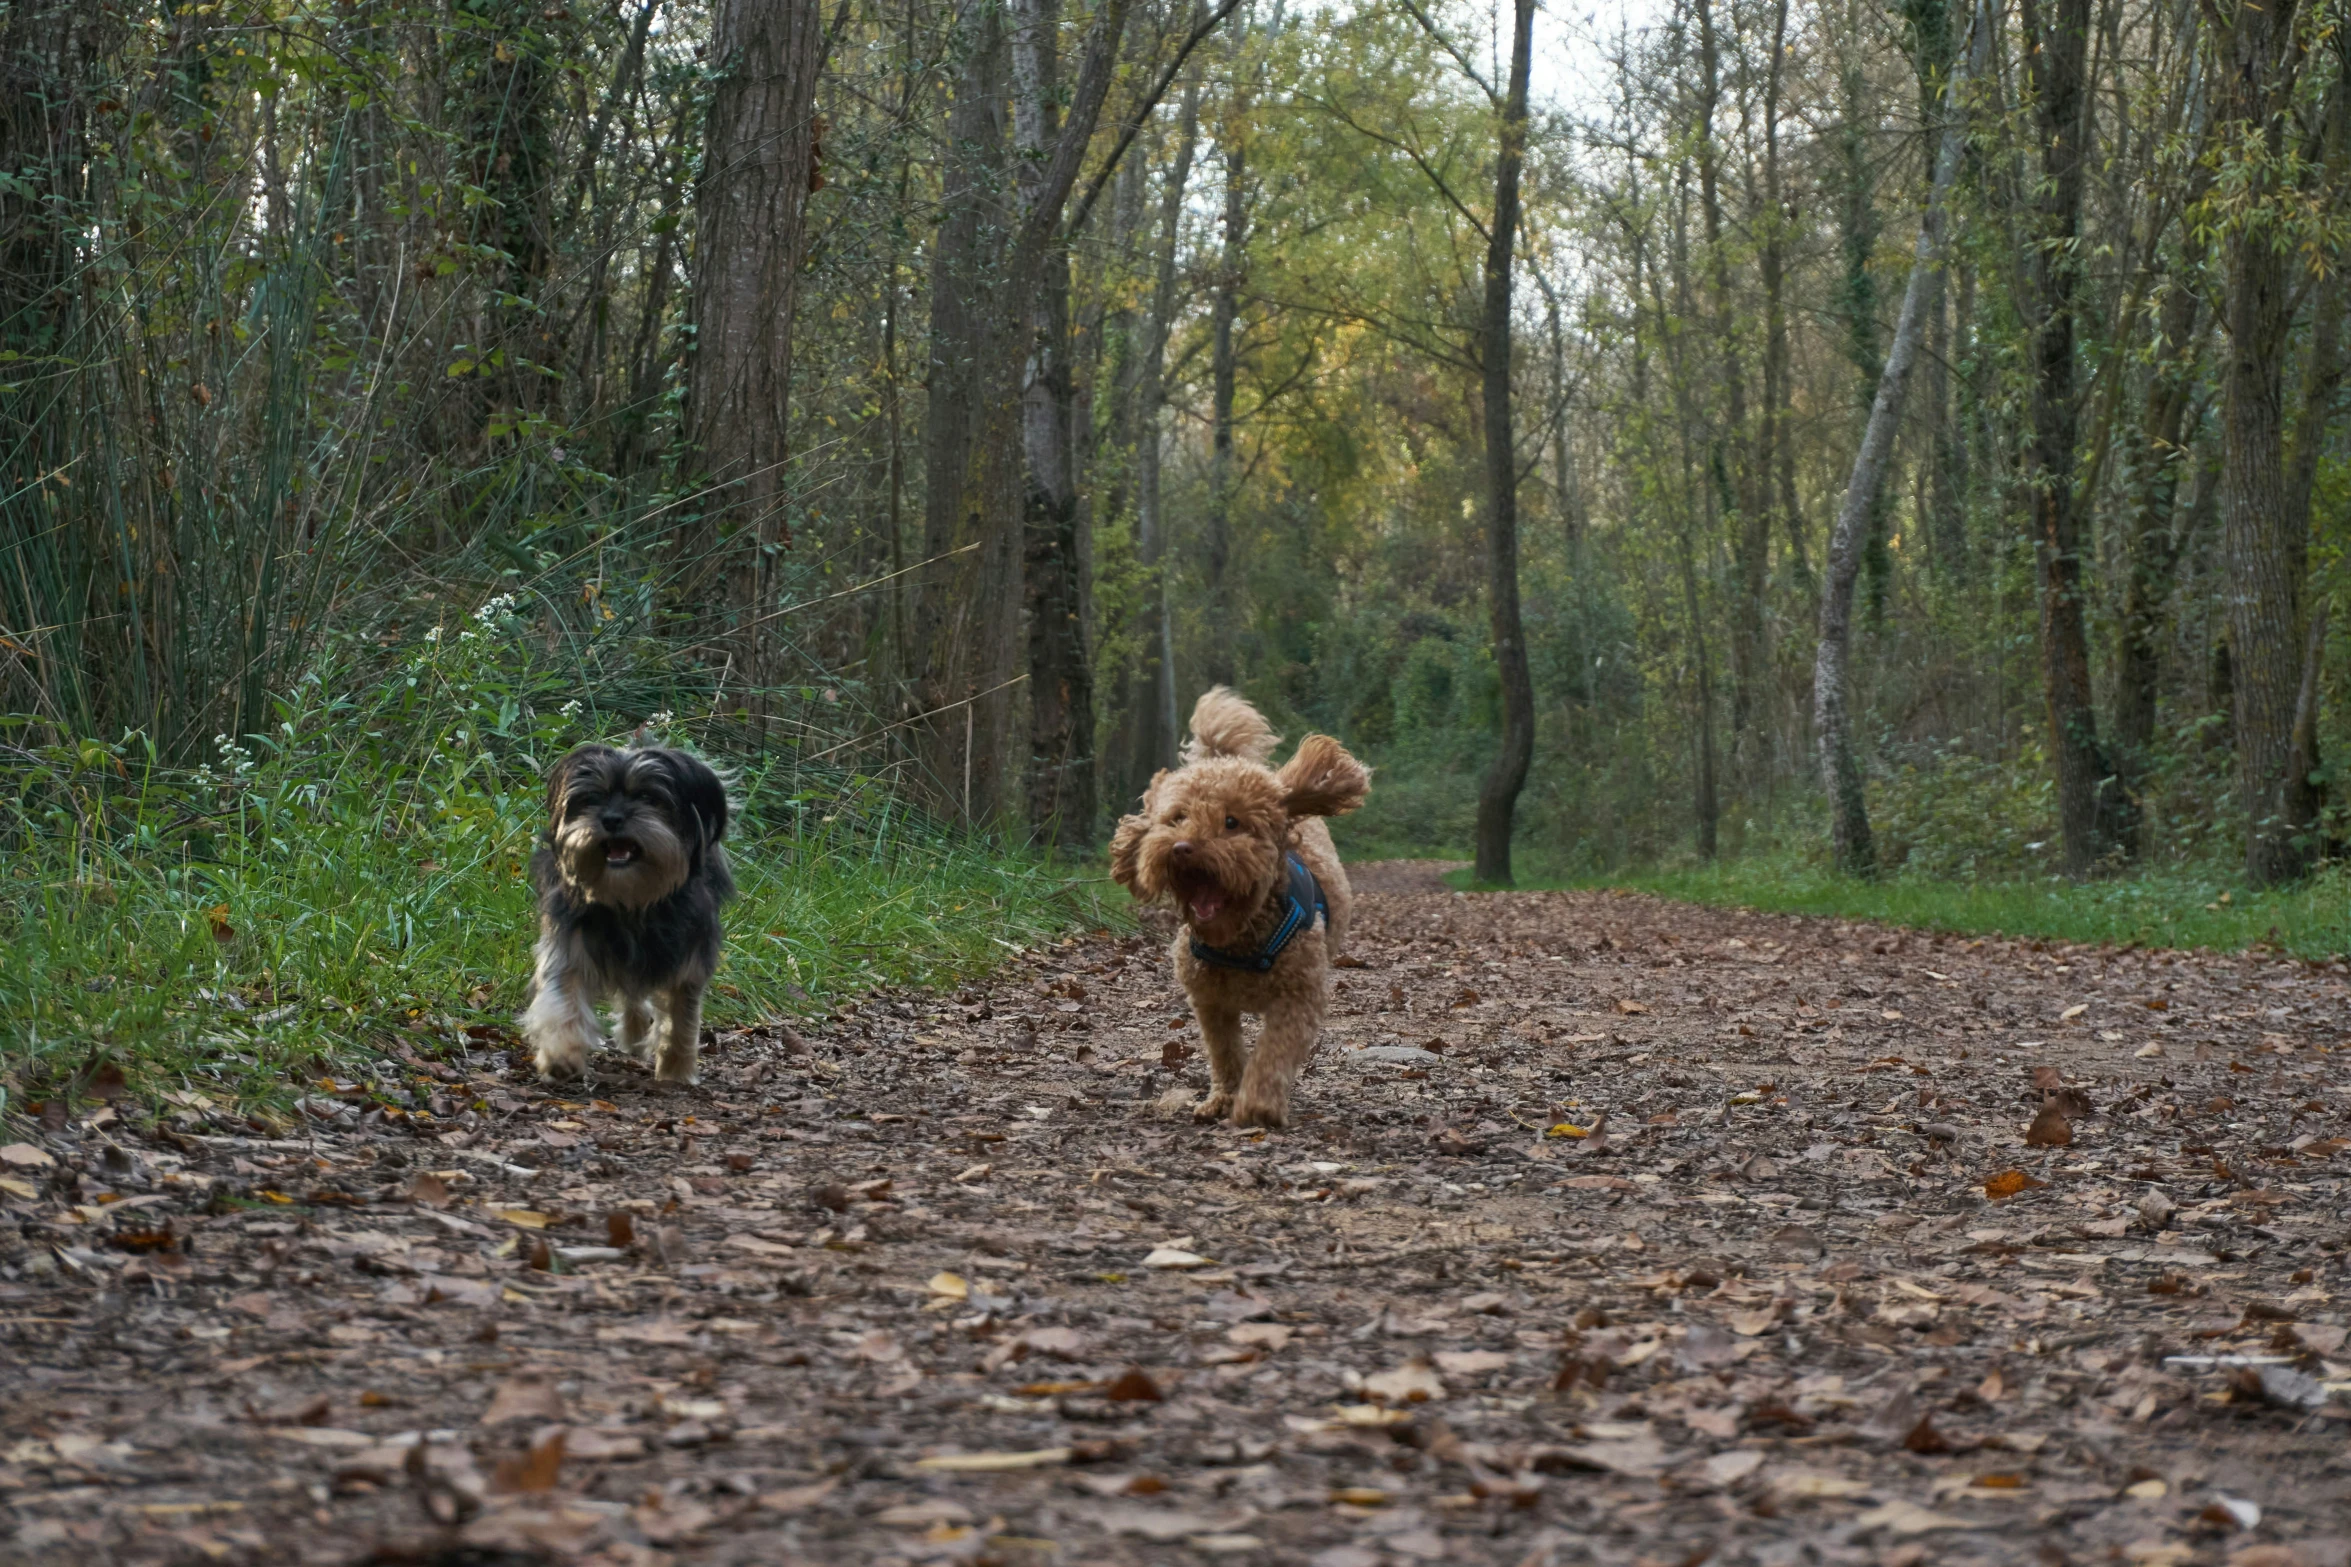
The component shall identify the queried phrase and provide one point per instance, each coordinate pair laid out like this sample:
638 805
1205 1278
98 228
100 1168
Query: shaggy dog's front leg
560 1023
1220 1031
1284 1046
681 1039
638 1024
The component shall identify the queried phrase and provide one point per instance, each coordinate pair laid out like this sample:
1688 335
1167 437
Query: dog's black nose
614 821
1183 848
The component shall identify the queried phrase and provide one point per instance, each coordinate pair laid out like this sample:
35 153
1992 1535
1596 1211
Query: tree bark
1061 778
2260 55
1840 768
2151 481
1217 662
1498 798
1778 456
1153 699
986 274
749 205
2302 795
2093 812
959 598
1730 459
1698 495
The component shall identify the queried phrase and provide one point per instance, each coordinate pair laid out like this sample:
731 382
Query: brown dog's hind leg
1284 1047
1220 1031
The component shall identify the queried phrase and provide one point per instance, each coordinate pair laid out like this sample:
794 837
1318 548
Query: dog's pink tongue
1207 907
619 855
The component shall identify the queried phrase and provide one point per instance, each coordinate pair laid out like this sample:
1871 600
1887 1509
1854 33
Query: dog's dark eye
1231 823
1179 817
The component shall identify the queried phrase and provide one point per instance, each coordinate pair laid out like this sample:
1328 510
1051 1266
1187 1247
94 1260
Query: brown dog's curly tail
1224 723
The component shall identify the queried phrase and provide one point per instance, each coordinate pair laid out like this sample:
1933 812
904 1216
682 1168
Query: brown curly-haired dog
1225 836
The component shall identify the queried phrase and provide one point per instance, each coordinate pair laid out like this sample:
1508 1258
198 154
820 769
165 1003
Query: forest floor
938 1279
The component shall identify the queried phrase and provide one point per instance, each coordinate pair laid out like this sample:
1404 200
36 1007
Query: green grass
353 881
293 946
2157 909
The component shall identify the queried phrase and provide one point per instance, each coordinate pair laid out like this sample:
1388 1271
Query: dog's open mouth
619 851
1204 900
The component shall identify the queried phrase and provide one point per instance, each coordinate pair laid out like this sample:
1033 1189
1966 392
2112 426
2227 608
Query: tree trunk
1730 458
987 266
1778 456
1217 663
1840 769
2302 795
1857 288
510 83
2150 556
2092 811
1698 494
972 577
1498 799
1153 700
2260 56
1061 668
748 205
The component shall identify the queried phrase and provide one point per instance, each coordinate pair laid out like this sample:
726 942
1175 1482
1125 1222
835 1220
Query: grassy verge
353 882
292 949
2158 909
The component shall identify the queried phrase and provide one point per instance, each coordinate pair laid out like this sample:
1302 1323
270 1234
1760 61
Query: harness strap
1304 896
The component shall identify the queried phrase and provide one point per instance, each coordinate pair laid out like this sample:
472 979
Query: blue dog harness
1304 895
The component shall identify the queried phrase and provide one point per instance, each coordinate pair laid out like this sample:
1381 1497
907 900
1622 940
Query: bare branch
1429 26
1135 121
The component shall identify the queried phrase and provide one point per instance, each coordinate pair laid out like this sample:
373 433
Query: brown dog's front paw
1261 1109
1213 1107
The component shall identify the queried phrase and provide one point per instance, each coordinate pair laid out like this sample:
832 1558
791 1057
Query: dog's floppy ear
701 797
1322 779
559 781
1126 858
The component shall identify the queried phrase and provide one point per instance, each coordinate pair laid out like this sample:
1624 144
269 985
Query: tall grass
352 876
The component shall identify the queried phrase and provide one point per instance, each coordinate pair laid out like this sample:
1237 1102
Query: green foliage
355 874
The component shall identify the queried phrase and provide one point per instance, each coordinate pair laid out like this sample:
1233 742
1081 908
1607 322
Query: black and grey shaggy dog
630 878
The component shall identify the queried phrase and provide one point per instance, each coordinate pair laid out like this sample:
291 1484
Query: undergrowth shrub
353 876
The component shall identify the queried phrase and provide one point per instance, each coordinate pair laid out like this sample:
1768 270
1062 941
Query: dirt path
939 1284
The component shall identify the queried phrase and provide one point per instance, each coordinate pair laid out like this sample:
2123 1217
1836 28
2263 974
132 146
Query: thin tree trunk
645 357
2302 795
749 204
1857 290
2150 556
1698 493
1778 457
1840 768
1218 665
1498 798
1153 700
1730 459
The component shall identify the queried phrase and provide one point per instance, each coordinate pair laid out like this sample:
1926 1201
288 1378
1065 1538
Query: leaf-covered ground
942 1281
